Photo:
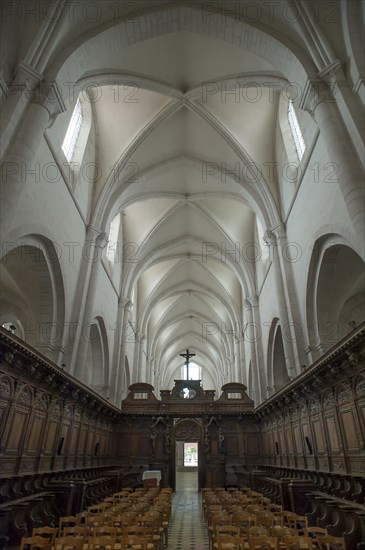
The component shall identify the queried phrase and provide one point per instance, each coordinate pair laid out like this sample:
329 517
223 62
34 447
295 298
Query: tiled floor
187 530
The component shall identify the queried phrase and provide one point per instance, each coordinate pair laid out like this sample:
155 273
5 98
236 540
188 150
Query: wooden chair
101 543
282 532
268 520
94 520
68 543
286 514
134 542
255 531
298 542
297 522
81 517
76 531
210 509
263 542
137 531
124 520
48 532
67 521
329 542
245 520
105 531
35 542
254 508
215 521
165 514
99 508
154 531
229 542
314 533
275 507
223 530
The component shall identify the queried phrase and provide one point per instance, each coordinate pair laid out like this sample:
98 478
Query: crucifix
187 356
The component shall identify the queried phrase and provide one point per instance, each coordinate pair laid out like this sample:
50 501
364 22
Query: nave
187 531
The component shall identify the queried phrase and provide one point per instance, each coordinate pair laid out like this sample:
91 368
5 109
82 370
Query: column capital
270 237
251 301
140 336
48 94
31 83
96 234
102 240
315 92
125 303
275 232
25 77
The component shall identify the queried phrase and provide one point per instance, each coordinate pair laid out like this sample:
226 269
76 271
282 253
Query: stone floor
187 530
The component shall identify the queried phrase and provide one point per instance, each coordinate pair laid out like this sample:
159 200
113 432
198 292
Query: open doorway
187 462
190 455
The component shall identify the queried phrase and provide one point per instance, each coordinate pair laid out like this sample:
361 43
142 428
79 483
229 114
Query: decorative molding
125 303
4 89
24 360
330 69
358 84
335 361
316 91
26 76
48 94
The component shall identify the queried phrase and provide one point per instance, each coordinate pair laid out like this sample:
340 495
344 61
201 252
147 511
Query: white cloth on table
150 474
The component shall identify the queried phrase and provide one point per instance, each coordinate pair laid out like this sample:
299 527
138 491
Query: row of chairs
126 520
249 520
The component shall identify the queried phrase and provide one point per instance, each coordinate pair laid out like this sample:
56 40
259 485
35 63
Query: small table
152 474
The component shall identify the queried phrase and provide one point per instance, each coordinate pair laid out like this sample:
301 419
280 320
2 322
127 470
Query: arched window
296 132
10 327
260 240
112 248
194 372
73 132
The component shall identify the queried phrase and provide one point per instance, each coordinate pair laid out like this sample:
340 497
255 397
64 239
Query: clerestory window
295 131
112 248
73 132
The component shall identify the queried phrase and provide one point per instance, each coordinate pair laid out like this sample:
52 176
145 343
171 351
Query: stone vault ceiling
187 197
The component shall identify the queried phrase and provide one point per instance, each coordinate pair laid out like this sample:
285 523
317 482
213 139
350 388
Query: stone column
18 164
237 355
321 103
289 340
149 369
76 336
252 333
95 253
230 373
16 99
138 356
116 380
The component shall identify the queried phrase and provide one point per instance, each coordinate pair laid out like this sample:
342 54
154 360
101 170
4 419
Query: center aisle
187 529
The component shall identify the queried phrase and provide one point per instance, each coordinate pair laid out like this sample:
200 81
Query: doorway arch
187 430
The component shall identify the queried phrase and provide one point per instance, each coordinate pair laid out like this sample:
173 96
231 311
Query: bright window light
112 248
73 131
296 131
194 372
263 246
